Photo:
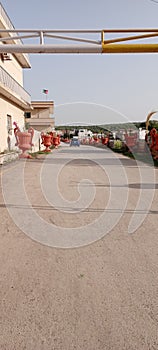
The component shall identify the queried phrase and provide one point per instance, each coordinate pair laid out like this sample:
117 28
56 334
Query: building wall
13 98
17 115
13 68
40 117
38 113
37 142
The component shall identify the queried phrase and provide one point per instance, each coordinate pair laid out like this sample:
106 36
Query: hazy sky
124 84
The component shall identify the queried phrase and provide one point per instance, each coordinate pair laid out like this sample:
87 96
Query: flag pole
45 91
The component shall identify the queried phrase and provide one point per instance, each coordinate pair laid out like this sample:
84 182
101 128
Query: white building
14 100
142 133
84 133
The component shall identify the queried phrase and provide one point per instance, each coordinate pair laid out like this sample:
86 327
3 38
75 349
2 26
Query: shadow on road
85 161
84 210
146 186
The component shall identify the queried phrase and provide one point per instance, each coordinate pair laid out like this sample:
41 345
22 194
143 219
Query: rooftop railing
10 83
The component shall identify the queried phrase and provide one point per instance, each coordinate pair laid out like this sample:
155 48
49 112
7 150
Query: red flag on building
45 91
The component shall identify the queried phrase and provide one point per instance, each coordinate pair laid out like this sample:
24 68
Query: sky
91 88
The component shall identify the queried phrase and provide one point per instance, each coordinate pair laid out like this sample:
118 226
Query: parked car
75 141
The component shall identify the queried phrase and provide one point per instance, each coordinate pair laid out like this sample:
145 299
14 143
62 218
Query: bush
117 144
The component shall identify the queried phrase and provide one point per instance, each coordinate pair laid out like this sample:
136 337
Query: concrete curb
8 157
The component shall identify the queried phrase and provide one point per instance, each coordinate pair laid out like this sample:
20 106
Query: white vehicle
84 133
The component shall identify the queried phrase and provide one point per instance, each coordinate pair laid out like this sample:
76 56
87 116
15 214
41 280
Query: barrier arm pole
129 41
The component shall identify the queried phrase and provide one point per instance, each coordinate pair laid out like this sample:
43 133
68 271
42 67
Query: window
9 124
27 114
5 57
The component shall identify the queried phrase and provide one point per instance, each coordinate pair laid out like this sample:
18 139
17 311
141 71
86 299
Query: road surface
94 285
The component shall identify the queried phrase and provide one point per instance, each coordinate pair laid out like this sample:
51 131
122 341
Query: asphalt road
79 252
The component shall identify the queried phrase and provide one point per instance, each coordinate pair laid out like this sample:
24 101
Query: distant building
40 115
14 99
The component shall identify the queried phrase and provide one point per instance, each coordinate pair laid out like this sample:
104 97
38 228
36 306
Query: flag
45 91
